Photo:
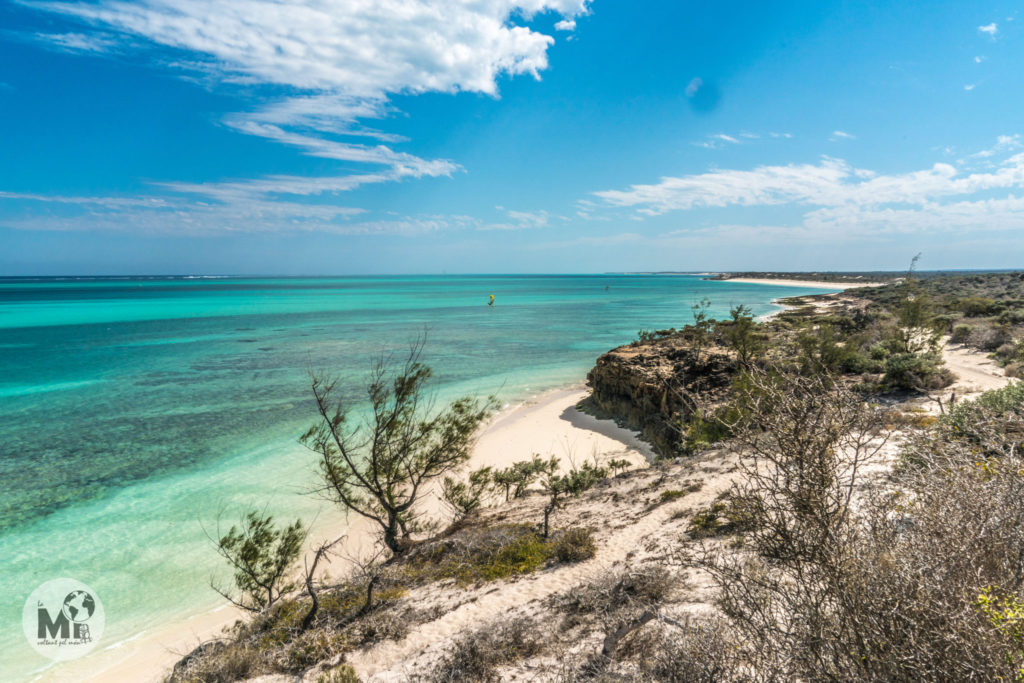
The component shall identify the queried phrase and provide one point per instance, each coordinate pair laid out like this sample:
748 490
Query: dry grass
477 655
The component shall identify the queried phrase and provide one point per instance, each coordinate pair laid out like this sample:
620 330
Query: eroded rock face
652 387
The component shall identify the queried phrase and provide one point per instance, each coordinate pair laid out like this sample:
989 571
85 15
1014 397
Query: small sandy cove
548 424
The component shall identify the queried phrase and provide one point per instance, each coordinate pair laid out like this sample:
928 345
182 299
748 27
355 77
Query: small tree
619 465
915 332
742 334
572 483
261 555
702 325
516 478
380 468
464 497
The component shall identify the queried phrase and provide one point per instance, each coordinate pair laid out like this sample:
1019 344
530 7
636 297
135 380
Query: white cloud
842 135
79 42
242 212
272 186
354 48
979 59
694 86
403 163
832 182
990 29
970 86
520 220
566 25
841 198
1004 144
719 140
1005 213
339 60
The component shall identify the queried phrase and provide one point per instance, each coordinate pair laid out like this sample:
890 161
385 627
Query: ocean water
135 412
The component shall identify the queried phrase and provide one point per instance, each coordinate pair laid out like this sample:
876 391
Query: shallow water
134 411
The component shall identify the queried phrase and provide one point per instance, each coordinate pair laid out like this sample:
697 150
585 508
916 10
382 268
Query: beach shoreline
839 286
547 424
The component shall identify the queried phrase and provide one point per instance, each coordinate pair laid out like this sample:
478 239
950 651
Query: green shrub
1006 614
961 333
261 554
465 497
574 545
977 306
721 518
706 522
343 673
968 419
879 352
669 495
917 372
524 555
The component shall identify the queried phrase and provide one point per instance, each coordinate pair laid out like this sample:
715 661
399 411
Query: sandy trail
975 371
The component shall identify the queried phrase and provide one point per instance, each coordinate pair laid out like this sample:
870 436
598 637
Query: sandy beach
803 283
547 424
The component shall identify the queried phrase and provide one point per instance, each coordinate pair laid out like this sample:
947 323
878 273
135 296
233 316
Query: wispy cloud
989 29
719 140
79 42
841 135
520 220
1004 144
339 60
839 196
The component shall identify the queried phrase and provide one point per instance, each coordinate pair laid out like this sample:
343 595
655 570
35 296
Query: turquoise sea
134 411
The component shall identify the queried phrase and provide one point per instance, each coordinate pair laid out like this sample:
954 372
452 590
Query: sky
310 137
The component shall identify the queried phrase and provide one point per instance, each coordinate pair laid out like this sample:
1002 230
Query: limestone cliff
652 386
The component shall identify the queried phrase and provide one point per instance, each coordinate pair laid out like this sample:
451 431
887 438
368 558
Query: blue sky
427 136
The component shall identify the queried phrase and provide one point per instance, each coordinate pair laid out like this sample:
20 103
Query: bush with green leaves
961 334
915 372
465 497
261 556
618 465
574 545
572 483
742 334
380 468
515 479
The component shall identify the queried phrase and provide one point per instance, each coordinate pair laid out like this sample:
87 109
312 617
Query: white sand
548 424
802 283
974 370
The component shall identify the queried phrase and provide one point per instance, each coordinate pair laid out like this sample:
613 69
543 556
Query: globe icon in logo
78 606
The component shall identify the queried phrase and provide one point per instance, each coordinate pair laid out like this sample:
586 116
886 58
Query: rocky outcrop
652 386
